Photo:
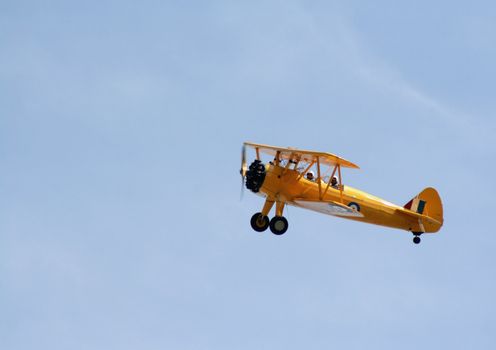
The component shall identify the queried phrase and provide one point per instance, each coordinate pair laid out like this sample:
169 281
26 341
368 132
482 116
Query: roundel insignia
354 205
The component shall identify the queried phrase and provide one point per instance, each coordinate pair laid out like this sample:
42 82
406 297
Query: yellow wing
303 155
327 207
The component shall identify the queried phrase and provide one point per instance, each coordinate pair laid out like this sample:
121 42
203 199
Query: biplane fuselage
289 187
286 180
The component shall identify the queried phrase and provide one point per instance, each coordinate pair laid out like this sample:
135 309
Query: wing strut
330 179
305 171
318 177
290 159
340 183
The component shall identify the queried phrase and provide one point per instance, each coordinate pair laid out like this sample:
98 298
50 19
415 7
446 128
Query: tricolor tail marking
417 205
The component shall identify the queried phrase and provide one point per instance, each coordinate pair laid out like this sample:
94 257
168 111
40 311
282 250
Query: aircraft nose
255 176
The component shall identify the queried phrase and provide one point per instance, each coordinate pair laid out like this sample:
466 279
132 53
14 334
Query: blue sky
120 132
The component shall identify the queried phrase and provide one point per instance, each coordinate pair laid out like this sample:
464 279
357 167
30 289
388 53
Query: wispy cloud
387 78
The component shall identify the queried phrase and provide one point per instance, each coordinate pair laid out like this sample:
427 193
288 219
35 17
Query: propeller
243 170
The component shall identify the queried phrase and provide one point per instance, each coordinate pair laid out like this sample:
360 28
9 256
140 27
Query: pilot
334 182
310 176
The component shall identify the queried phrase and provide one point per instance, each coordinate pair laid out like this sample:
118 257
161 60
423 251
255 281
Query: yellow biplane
312 180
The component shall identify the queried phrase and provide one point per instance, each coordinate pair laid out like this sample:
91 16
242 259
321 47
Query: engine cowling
255 176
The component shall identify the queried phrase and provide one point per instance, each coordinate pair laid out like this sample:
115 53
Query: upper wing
303 155
327 207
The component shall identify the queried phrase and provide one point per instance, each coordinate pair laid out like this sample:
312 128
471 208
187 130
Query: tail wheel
416 237
278 225
259 222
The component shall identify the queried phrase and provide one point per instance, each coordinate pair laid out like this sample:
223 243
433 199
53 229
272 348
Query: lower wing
327 207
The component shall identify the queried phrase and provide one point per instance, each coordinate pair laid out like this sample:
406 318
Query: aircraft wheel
416 239
259 222
278 225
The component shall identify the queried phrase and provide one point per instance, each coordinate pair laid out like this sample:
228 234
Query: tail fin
428 203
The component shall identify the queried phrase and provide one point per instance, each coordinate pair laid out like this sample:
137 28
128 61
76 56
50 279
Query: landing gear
278 225
416 238
259 222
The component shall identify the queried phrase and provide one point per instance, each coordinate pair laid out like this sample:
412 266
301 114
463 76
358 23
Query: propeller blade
243 170
242 193
243 161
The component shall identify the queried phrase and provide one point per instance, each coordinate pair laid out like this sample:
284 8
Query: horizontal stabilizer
424 218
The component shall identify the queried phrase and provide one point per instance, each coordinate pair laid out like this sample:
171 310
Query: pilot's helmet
334 180
310 175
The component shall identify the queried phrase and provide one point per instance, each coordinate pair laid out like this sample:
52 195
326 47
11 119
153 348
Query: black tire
279 225
259 222
416 239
